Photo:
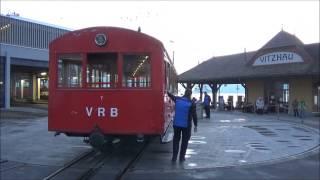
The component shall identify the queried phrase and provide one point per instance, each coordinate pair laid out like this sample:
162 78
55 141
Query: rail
68 165
89 164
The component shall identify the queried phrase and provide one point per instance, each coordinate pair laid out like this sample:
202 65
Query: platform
228 139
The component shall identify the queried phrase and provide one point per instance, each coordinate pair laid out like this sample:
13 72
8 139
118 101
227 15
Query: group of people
299 107
185 114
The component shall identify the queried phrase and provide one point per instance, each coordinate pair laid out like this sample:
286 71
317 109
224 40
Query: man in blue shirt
185 112
206 103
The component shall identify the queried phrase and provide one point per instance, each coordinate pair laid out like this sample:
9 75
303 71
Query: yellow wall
255 90
301 89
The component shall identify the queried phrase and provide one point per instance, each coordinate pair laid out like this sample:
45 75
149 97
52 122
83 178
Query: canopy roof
236 68
282 39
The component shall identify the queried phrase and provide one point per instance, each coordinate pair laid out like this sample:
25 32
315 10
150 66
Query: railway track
133 158
92 158
97 165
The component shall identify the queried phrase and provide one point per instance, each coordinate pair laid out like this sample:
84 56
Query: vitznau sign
277 58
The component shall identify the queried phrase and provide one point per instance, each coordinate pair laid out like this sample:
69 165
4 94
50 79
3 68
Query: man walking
185 112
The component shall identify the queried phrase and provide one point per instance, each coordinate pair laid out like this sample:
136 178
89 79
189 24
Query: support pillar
214 89
245 92
7 82
187 85
200 89
183 85
34 88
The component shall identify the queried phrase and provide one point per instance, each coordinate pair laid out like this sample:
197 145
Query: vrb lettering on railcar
101 111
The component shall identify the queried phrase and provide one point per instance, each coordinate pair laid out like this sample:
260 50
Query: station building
24 59
283 70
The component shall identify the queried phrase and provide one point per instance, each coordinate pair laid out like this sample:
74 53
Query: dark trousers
296 113
186 134
207 109
260 111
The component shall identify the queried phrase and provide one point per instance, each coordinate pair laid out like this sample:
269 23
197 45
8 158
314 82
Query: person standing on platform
185 112
259 105
206 103
295 107
302 108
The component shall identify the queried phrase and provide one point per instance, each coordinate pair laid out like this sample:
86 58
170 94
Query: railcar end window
102 70
171 76
167 76
173 81
69 71
136 71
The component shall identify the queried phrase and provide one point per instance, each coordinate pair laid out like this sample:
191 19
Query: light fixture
140 65
43 74
4 27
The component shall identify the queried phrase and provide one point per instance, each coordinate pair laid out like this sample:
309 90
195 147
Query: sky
195 31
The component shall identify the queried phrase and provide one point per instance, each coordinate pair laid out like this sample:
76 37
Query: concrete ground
234 145
230 145
26 111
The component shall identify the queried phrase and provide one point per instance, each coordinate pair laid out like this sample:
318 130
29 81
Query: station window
69 70
102 70
136 71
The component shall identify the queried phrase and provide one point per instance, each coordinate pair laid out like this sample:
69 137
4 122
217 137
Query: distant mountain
232 88
228 88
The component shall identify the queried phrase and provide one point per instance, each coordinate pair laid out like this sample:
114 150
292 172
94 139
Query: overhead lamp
4 27
43 74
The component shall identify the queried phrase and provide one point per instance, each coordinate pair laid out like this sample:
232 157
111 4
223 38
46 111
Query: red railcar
109 80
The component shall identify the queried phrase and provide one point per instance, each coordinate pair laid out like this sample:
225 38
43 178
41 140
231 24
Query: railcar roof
106 29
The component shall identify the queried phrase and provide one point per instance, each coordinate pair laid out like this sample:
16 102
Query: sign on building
277 58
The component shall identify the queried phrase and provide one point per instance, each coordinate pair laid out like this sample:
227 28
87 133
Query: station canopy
283 56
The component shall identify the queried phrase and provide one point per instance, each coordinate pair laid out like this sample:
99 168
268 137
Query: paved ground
231 145
241 146
232 140
29 111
